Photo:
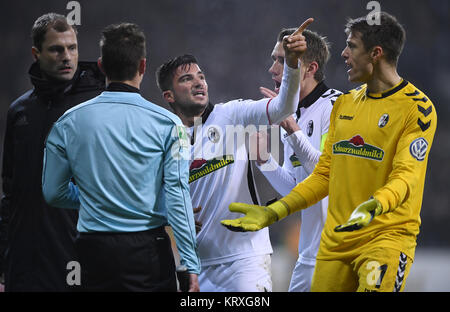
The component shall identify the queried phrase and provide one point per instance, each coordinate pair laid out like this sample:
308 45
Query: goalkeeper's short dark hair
43 23
318 49
122 47
166 72
388 34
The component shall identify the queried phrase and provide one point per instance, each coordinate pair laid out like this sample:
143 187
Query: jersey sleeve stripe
267 111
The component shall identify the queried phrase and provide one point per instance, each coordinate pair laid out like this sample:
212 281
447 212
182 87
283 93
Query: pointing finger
303 26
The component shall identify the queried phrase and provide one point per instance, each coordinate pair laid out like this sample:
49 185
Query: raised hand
295 44
267 92
289 125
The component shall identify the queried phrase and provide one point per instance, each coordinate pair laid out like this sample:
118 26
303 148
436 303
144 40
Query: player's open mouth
199 94
277 86
349 66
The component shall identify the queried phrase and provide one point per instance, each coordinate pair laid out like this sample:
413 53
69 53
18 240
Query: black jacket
36 240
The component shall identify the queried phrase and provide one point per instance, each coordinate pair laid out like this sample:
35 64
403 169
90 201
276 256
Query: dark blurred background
233 39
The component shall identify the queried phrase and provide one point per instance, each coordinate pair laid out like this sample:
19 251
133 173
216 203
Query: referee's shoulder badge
182 136
418 148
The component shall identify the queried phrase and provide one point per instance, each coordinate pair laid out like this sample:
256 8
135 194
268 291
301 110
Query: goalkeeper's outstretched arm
308 192
258 217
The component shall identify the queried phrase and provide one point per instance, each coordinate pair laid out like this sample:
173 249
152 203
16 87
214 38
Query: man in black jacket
37 240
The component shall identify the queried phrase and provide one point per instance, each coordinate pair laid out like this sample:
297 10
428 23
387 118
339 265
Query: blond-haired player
303 135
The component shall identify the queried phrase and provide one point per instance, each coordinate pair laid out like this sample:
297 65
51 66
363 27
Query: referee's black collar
311 98
121 87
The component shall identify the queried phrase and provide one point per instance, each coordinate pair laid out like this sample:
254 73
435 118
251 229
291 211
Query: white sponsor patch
418 148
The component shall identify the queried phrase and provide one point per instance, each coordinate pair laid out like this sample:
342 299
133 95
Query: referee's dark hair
318 50
122 46
166 72
388 34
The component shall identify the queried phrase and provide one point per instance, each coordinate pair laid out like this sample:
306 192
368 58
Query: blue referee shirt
130 162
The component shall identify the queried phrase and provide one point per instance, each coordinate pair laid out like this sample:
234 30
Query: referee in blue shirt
123 162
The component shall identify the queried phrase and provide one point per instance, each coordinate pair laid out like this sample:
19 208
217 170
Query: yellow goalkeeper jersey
377 145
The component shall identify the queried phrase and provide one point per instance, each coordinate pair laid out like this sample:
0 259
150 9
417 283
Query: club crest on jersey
213 134
310 128
201 167
358 148
418 148
383 120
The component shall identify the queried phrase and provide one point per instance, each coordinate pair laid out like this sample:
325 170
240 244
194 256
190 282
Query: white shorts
301 277
244 275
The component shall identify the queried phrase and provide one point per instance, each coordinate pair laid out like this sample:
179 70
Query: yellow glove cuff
379 207
287 205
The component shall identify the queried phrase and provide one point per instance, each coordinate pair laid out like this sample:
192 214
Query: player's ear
35 53
376 53
142 66
168 96
312 68
100 65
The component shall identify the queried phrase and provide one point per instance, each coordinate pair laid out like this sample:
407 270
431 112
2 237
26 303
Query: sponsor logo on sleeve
418 148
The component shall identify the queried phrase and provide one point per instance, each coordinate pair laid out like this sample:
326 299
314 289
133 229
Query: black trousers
134 261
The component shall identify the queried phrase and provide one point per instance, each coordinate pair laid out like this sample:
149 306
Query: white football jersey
219 170
314 121
218 177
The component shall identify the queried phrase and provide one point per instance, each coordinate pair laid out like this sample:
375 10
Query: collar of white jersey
208 109
312 97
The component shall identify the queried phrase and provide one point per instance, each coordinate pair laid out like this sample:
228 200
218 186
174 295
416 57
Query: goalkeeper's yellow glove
258 217
361 216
